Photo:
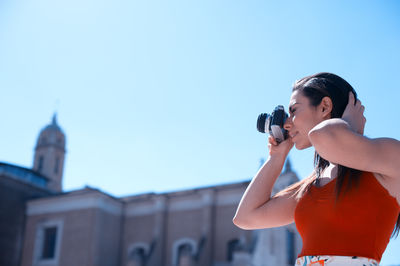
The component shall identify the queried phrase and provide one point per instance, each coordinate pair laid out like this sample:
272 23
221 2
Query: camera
273 124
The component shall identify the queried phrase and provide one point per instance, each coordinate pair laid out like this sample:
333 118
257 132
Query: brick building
47 227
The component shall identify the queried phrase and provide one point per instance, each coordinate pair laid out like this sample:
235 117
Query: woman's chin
302 146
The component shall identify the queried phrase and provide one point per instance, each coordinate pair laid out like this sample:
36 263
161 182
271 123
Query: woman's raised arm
257 209
341 140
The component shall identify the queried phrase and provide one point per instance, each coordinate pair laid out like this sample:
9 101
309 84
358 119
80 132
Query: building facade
88 227
17 186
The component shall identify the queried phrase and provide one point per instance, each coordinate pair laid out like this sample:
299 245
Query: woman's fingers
351 97
272 141
354 114
357 103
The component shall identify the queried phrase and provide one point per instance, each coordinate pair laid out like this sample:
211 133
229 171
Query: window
49 243
56 165
40 166
233 245
185 255
138 254
184 252
137 257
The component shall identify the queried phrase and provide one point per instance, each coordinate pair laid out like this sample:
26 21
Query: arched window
233 245
137 257
183 252
185 255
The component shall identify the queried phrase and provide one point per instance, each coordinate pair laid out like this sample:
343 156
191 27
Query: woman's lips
292 135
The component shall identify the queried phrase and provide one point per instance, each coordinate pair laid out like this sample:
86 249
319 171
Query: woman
346 210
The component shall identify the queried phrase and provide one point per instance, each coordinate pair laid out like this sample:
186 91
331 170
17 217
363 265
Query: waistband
335 261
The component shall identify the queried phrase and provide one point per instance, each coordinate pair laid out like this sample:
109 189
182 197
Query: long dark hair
315 88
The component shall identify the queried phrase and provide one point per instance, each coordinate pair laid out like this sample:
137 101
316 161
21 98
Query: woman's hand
282 148
354 115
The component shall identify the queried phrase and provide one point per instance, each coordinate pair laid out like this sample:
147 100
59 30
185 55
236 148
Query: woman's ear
326 107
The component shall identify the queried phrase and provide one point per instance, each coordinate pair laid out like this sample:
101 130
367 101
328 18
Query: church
43 225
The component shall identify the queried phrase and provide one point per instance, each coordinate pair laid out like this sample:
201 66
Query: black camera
273 124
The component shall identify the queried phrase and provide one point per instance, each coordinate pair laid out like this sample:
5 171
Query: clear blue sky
160 96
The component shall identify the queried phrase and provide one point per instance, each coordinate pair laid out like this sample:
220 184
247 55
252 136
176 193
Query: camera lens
262 123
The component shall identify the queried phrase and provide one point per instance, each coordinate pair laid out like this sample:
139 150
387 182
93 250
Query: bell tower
50 154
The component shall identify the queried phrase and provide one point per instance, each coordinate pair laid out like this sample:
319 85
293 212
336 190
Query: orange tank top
359 224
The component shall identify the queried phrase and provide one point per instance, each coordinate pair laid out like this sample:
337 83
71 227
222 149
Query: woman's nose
288 123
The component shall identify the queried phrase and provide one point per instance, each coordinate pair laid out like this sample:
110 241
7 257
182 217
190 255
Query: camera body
273 124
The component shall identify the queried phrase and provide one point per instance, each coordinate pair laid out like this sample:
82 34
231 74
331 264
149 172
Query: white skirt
335 261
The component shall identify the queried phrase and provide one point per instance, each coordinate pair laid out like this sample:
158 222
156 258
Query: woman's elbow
241 222
237 221
324 142
326 131
316 135
321 139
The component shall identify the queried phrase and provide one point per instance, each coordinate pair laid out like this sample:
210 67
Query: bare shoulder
339 144
392 185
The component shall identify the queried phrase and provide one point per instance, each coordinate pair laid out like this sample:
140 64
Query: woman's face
302 118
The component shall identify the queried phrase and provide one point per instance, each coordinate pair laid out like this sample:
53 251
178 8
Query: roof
23 174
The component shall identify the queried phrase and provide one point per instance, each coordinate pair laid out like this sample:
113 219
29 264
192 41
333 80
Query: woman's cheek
293 120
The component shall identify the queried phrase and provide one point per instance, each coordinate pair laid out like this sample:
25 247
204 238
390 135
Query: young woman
348 208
